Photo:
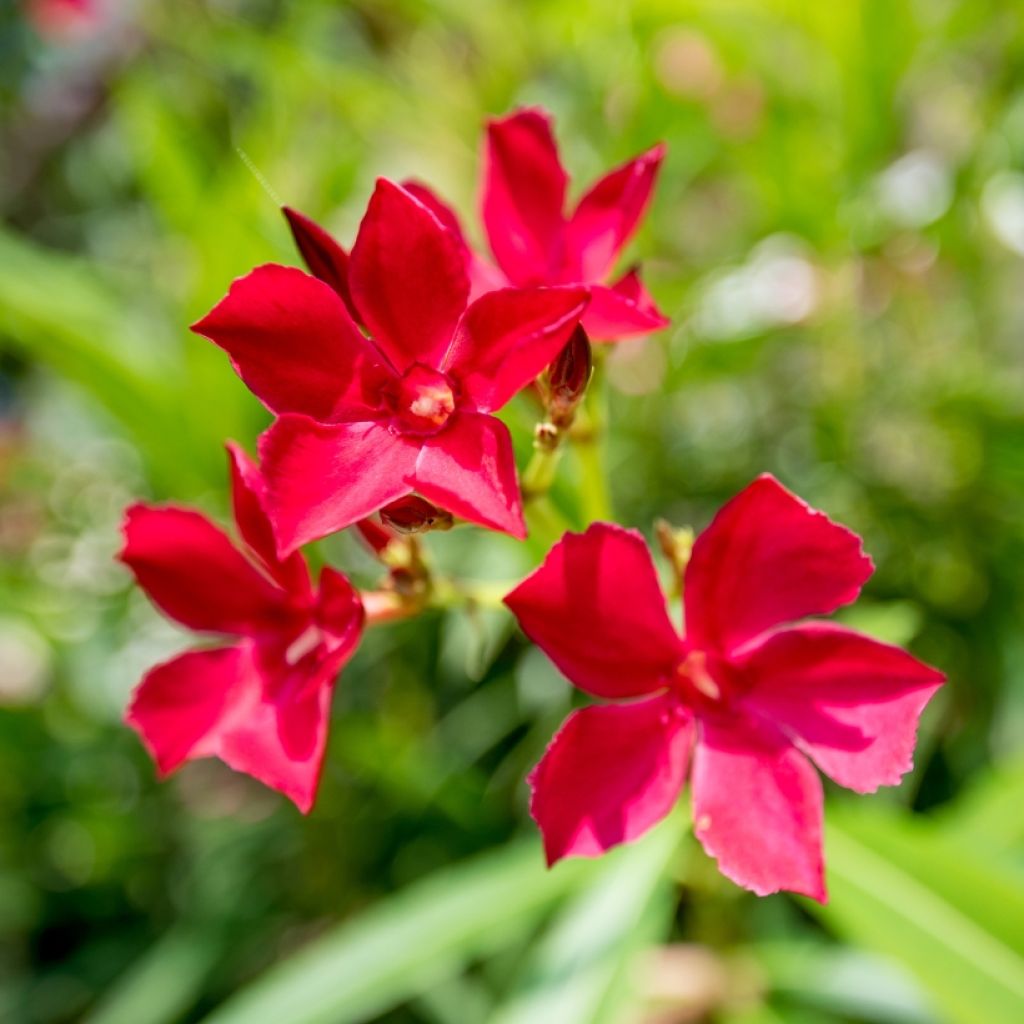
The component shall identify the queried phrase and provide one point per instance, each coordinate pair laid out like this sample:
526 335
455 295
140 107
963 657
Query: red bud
415 515
376 536
568 377
324 257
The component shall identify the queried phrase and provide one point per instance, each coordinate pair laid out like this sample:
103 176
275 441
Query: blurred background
838 235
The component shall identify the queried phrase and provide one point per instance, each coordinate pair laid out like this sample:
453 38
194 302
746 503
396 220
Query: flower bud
568 377
413 514
676 543
324 257
376 536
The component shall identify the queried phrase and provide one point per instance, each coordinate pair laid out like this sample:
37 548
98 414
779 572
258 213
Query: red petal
262 717
408 277
757 808
438 207
624 310
853 703
324 257
608 215
339 610
596 609
278 731
292 341
524 194
483 277
508 337
470 470
322 478
611 773
179 704
193 572
249 500
768 558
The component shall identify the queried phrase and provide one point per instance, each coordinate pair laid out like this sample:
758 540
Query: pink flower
364 422
750 697
536 241
261 703
63 20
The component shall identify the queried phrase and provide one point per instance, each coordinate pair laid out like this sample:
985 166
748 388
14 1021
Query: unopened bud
568 377
546 437
322 254
415 515
377 537
676 543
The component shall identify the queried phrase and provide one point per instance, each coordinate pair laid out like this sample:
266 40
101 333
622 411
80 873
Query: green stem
539 474
449 593
545 522
589 439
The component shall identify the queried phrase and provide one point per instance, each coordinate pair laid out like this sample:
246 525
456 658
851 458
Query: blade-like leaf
578 973
946 910
407 943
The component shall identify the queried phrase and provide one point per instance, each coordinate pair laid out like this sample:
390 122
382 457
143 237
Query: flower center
424 400
696 683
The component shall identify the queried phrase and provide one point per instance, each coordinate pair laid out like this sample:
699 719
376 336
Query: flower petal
322 478
768 558
294 344
624 310
508 337
179 704
258 714
437 206
757 808
249 496
193 572
853 703
339 610
608 215
408 277
278 730
322 254
470 470
483 276
524 195
596 609
611 773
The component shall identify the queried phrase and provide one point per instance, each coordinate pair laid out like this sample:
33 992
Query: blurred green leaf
948 911
844 981
578 973
989 815
165 981
406 943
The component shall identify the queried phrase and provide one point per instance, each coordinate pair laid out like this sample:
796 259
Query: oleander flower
536 239
754 698
260 702
363 421
65 20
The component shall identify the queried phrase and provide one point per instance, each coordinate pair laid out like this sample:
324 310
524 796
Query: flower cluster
384 367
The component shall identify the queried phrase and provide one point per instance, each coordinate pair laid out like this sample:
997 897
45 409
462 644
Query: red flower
535 241
752 698
62 20
363 422
261 704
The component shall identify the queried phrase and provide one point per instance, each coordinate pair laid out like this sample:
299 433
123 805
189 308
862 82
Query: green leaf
579 972
949 912
990 813
407 943
847 982
164 982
